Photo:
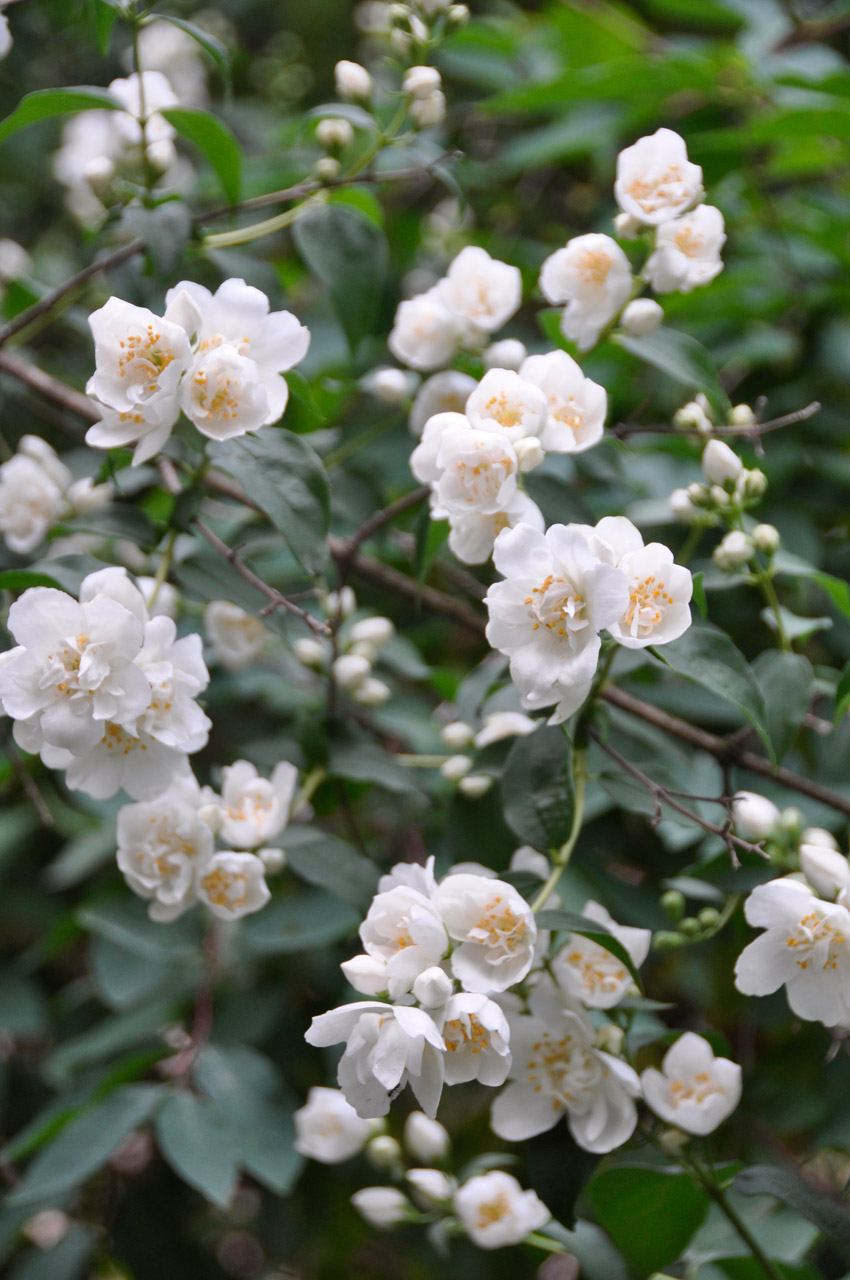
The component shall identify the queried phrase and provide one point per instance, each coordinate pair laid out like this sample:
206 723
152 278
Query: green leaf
116 520
699 594
165 229
215 140
537 788
795 627
45 104
124 978
349 254
785 562
592 929
199 1145
324 860
842 693
649 1214
210 44
21 579
707 656
367 762
786 681
829 1215
86 1144
301 923
127 925
287 481
682 358
23 1008
102 16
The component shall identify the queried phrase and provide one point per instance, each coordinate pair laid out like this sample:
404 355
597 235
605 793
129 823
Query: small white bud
309 652
372 692
352 80
753 483
383 1152
431 1186
46 1228
720 464
400 41
457 735
390 385
382 1207
827 870
719 496
334 133
792 820
432 7
819 836
376 631
212 817
432 988
732 551
421 82
609 1038
366 974
765 538
458 14
754 816
339 603
475 785
326 169
691 417
273 860
350 670
162 155
418 29
508 353
626 226
680 504
426 1139
698 494
529 452
741 415
456 767
429 111
642 316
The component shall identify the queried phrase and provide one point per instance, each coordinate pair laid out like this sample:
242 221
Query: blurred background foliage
542 97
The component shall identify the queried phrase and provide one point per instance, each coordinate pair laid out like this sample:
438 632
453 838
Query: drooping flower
655 179
494 927
328 1129
255 810
693 1090
426 1139
576 405
233 884
481 290
592 275
477 1040
588 972
687 251
495 1211
162 845
32 498
403 929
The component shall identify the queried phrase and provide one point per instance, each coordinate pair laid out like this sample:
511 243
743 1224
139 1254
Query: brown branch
385 516
751 431
49 386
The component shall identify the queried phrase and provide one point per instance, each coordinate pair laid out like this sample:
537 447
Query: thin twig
750 431
386 515
49 386
29 785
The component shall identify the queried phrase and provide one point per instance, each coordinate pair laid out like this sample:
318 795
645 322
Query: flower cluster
36 491
102 690
563 587
218 357
166 846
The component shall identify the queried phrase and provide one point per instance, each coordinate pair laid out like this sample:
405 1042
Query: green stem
712 1187
544 1243
765 581
162 568
563 855
691 542
309 787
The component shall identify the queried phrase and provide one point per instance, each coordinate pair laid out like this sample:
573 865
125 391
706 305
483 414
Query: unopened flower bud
366 974
429 111
732 551
718 496
326 169
400 41
754 816
371 692
609 1038
383 1152
458 734
664 940
673 903
432 988
475 785
672 1140
339 603
507 353
765 538
820 837
382 1207
708 917
431 1186
377 631
827 870
351 670
457 14
753 483
273 860
426 1139
680 504
390 385
792 820
46 1228
529 452
626 226
642 316
421 82
456 767
690 926
698 494
417 28
333 133
691 417
309 652
352 80
741 415
720 464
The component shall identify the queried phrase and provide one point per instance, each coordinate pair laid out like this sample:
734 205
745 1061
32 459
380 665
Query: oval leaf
217 142
537 788
196 1141
45 104
349 254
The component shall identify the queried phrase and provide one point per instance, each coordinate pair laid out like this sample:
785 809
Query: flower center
566 411
498 927
556 605
655 191
506 412
598 971
818 940
688 241
565 1069
594 265
221 888
694 1089
493 1211
649 600
465 1033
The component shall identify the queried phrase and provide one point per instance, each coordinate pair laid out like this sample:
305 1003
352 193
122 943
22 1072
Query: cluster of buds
729 489
689 928
427 101
788 841
359 643
421 25
697 416
460 737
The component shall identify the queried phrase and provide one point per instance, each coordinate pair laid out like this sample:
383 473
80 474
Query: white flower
425 333
404 930
720 464
547 614
30 503
235 637
643 315
659 597
387 1047
371 692
693 1090
805 948
254 809
233 885
576 406
687 251
592 275
504 724
412 875
5 37
432 987
167 601
339 604
145 97
827 871
655 180
382 1207
176 672
765 538
755 817
445 392
733 550
475 785
352 80
495 1211
495 928
456 767
328 1129
376 631
476 472
162 844
430 110
424 1138
507 353
477 1040
481 290
509 402
472 536
457 734
556 1070
588 972
121 758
